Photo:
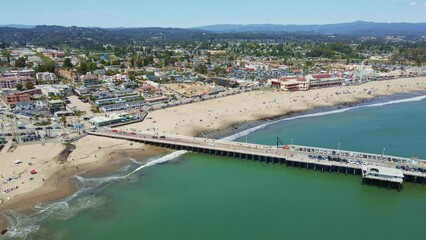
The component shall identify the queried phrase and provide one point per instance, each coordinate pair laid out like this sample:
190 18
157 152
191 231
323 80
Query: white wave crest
253 129
96 182
92 183
163 159
88 183
19 225
82 203
134 161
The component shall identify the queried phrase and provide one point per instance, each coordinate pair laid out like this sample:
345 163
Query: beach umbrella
33 171
17 161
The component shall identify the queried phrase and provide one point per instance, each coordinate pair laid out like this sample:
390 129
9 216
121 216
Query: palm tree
63 119
32 122
78 114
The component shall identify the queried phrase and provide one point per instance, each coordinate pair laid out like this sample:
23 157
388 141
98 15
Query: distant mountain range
17 26
355 28
96 37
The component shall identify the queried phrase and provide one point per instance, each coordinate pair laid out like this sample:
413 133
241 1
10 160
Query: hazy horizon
193 13
29 25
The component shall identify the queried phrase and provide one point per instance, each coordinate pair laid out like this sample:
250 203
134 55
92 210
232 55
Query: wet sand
96 156
215 115
61 183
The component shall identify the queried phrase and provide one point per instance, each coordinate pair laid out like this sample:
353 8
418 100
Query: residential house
47 77
19 73
89 80
56 105
82 90
67 74
11 82
28 105
55 90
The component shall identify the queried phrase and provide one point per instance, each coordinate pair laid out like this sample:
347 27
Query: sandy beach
92 155
222 113
20 189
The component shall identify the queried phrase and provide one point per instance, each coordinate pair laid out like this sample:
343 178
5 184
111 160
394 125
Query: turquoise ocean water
197 196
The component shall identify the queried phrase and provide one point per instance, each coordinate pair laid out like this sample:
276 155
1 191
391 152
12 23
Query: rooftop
382 173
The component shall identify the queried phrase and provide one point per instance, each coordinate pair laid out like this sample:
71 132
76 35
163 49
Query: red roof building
321 76
293 83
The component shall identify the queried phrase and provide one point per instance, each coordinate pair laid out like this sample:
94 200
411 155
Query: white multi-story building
47 77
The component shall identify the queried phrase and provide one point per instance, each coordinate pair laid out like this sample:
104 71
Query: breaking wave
20 225
318 114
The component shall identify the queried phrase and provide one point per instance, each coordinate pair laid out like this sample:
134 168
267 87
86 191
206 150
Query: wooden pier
295 156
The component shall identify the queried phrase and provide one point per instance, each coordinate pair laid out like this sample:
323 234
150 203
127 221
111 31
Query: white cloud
413 3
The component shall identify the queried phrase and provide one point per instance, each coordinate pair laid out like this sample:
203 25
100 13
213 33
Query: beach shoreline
214 118
60 184
216 115
239 127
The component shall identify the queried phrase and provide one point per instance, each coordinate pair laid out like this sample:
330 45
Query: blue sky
192 13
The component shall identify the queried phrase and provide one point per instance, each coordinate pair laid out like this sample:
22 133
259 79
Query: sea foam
20 225
318 114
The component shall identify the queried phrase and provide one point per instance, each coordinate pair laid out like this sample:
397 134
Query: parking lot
357 158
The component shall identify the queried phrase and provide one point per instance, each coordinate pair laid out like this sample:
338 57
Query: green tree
115 62
6 54
83 67
67 63
63 119
132 62
19 86
78 114
49 66
29 85
20 62
139 63
167 60
148 60
201 68
91 66
219 71
132 76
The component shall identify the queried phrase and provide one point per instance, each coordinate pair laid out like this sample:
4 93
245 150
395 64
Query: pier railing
294 155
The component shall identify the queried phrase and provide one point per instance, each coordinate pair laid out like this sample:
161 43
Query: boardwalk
331 160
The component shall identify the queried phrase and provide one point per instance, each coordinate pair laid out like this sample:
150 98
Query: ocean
196 196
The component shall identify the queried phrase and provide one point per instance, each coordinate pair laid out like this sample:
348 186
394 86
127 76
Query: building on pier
383 174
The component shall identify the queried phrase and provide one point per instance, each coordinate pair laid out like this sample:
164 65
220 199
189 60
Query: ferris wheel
359 74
